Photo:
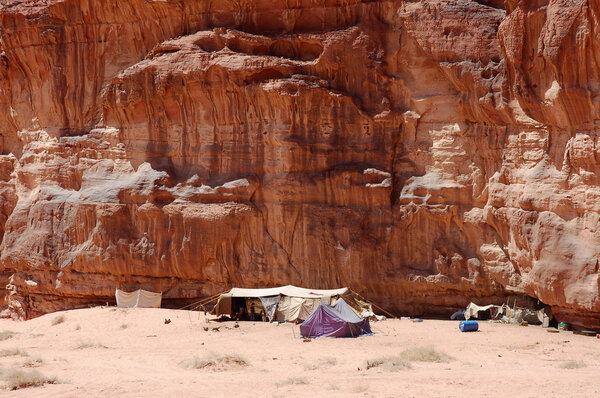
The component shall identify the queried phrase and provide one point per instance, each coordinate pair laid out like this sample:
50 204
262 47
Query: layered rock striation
425 153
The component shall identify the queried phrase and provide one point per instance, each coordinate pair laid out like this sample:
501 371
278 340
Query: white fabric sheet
138 299
473 309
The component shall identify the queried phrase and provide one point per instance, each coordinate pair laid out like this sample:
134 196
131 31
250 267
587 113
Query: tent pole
212 298
311 328
375 305
361 328
201 301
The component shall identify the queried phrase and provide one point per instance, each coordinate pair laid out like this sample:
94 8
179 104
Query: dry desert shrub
5 335
425 354
329 361
572 365
321 363
17 379
86 344
387 363
58 320
124 326
214 362
360 389
12 352
291 381
33 362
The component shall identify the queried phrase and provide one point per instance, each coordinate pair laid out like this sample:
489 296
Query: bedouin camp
285 303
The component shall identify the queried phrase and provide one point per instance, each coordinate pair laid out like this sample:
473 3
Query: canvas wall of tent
285 304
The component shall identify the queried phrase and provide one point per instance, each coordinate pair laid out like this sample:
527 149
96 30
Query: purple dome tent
336 321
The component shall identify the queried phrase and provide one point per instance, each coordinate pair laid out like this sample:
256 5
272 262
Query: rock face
425 153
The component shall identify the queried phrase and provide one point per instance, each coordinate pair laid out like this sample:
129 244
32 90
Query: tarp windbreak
138 299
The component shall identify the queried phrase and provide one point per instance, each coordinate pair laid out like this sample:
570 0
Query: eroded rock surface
425 153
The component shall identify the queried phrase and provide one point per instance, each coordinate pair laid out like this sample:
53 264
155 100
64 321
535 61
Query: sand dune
132 352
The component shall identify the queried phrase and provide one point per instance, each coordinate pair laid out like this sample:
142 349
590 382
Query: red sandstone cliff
424 153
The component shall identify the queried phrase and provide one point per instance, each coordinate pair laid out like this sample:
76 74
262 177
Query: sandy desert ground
107 351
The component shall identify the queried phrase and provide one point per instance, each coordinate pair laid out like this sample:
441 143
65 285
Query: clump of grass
425 354
58 320
78 327
17 379
329 361
33 362
321 363
292 380
572 365
360 389
215 362
124 326
86 344
12 352
388 363
5 335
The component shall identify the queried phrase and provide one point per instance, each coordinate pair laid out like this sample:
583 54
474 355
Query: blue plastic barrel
468 326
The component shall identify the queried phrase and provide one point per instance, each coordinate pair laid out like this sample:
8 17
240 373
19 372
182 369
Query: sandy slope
143 358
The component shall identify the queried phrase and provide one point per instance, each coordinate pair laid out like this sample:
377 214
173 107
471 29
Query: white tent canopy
285 303
289 290
138 299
